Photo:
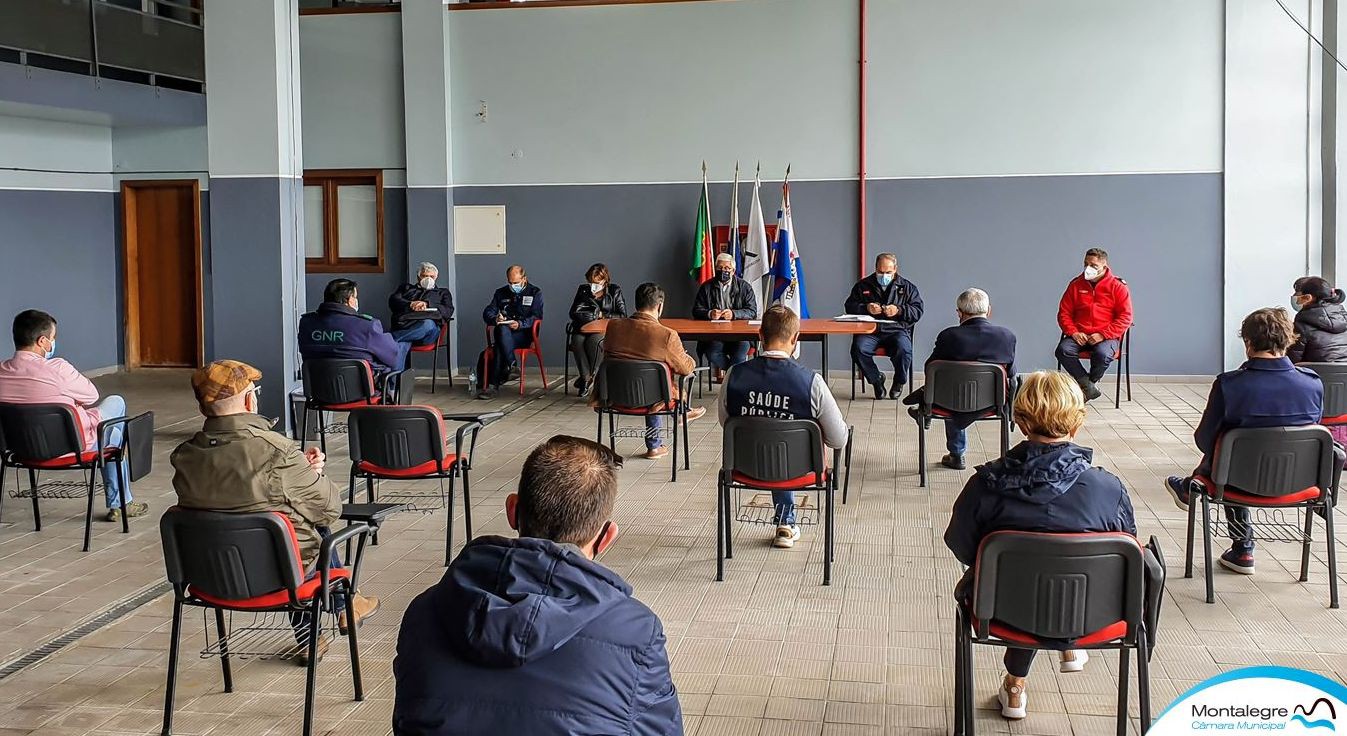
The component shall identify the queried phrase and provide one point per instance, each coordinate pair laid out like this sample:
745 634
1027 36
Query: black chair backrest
632 384
396 437
1274 461
1059 586
337 380
773 449
36 432
230 556
1334 376
964 386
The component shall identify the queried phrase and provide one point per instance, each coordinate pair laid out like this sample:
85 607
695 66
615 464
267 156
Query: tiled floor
767 651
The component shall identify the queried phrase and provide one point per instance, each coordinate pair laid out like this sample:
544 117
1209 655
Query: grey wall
1020 238
61 250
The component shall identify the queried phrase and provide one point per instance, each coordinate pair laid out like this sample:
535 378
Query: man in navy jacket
513 310
1267 391
531 635
973 339
337 329
893 299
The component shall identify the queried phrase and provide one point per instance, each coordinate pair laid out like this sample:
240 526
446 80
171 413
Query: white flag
755 246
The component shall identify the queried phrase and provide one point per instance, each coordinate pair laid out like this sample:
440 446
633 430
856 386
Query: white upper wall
988 87
54 155
351 87
160 153
643 93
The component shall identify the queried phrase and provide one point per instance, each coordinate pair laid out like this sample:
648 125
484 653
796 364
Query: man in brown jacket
237 464
642 337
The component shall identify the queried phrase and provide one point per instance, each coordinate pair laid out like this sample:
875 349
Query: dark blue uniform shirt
337 331
526 307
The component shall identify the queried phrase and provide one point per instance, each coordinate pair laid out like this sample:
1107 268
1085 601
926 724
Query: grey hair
725 257
974 302
891 258
427 266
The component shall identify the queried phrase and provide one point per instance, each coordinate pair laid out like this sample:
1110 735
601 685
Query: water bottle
472 381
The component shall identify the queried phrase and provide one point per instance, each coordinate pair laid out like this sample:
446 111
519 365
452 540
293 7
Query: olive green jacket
237 464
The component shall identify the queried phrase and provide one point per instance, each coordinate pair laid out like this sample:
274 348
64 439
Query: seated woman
1321 322
1044 484
595 299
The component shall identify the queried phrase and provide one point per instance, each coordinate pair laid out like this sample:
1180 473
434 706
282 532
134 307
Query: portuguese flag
703 255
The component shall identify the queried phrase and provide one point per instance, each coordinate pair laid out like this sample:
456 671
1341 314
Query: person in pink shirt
35 376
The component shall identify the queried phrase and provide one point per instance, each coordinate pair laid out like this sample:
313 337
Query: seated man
236 465
1267 391
35 376
642 337
973 339
774 385
722 298
419 308
531 635
338 330
1095 312
511 314
1044 484
894 301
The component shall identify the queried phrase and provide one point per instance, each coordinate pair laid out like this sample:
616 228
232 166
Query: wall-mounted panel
986 87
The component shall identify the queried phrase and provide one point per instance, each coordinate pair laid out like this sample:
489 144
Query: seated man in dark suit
337 329
973 339
896 303
511 314
1267 391
419 308
724 297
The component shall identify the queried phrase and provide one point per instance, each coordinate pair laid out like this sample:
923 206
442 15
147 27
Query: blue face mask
884 279
516 288
1296 305
51 353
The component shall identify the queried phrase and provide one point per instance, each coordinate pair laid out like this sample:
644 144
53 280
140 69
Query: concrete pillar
430 196
256 188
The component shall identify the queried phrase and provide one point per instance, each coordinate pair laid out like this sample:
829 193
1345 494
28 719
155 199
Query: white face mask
426 283
355 304
1092 272
595 288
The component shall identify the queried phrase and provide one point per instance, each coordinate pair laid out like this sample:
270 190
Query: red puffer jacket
1104 306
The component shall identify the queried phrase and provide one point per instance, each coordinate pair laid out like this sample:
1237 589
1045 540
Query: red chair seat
69 461
1251 499
1334 421
804 481
938 412
640 411
425 348
1113 632
416 471
279 599
374 401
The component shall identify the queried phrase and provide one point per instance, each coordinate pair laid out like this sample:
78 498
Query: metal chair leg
449 525
1192 519
224 651
37 514
1305 545
3 468
612 431
322 432
828 536
369 498
1206 546
958 677
1143 680
89 510
673 456
467 505
1332 553
687 442
846 480
173 646
354 646
720 531
1123 682
310 680
598 432
921 450
729 526
1117 387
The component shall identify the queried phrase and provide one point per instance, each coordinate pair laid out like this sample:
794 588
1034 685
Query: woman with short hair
1321 322
1044 484
596 299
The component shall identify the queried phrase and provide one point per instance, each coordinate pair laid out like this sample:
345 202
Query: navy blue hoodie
1038 488
526 636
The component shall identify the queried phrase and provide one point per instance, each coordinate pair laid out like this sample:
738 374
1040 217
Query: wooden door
162 226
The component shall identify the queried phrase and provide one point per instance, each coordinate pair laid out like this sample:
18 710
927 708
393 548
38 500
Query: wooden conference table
811 330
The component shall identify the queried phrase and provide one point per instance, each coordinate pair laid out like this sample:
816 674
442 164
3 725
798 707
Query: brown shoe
696 413
658 452
718 375
364 606
133 509
303 659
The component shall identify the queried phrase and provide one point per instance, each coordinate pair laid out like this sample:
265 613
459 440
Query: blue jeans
723 355
507 341
956 438
1101 357
418 332
654 432
114 474
784 501
897 343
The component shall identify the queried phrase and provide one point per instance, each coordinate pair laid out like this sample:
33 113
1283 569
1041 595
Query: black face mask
724 276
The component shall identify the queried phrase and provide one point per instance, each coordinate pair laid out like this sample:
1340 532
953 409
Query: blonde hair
1049 404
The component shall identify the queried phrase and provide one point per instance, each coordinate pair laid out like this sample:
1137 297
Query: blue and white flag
733 246
787 271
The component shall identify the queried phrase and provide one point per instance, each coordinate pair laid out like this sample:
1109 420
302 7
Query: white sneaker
1073 660
786 536
1014 701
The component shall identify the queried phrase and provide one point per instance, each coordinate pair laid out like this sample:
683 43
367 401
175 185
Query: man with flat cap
237 464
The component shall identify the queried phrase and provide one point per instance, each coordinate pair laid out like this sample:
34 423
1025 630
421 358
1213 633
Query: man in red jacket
1095 313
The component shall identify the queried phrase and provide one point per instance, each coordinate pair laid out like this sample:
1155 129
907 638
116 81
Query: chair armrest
329 544
473 423
485 418
1156 574
114 422
137 450
384 379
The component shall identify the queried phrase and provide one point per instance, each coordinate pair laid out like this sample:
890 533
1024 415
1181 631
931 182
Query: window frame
331 260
